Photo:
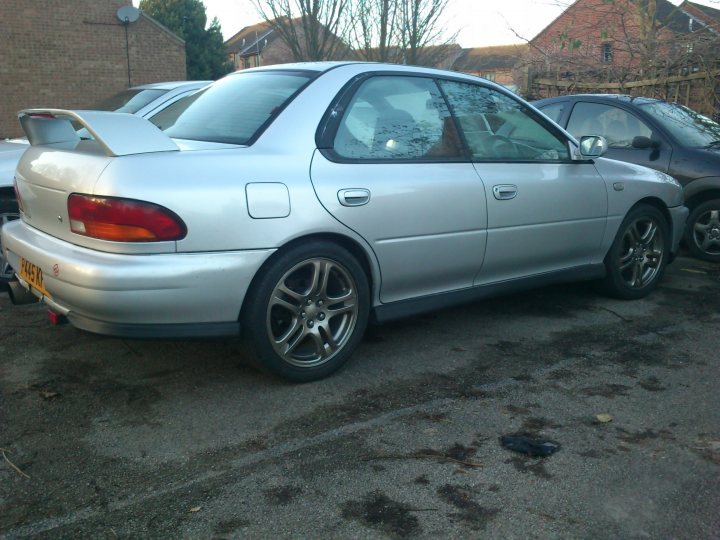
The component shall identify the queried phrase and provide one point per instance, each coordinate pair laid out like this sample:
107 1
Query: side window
392 117
617 125
554 111
499 128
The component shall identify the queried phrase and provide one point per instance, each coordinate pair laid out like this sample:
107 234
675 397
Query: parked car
665 136
145 101
292 203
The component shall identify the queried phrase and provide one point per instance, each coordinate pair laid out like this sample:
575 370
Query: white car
146 101
294 203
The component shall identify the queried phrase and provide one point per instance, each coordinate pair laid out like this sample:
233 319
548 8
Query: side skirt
407 308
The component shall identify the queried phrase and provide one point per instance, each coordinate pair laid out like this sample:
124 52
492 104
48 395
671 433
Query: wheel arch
702 196
359 252
657 203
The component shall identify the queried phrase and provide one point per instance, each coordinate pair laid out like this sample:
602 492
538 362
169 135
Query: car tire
702 232
637 258
307 311
8 212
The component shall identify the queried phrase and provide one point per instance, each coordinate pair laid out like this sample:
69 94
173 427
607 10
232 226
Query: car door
620 126
391 167
546 212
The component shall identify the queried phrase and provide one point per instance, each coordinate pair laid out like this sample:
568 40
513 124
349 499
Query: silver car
145 100
292 204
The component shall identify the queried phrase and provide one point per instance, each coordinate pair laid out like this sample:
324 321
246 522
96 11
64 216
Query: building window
607 54
489 75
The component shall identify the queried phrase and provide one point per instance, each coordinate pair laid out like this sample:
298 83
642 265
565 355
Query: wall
72 53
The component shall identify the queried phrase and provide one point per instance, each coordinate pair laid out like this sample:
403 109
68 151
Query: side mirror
641 142
593 146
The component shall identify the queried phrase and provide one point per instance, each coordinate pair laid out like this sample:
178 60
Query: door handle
503 192
354 197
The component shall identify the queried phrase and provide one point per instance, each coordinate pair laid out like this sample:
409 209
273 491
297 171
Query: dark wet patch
460 452
642 437
378 511
422 480
546 303
228 526
523 377
514 410
494 488
528 465
651 384
560 375
707 447
609 391
470 511
282 496
378 468
535 424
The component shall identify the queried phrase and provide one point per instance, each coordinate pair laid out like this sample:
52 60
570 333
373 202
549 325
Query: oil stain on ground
469 510
378 511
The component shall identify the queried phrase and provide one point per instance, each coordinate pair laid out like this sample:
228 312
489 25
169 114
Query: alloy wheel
312 312
642 252
706 232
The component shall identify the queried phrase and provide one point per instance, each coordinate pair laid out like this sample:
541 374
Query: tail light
123 220
17 195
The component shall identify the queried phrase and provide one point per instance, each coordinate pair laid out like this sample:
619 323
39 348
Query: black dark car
664 136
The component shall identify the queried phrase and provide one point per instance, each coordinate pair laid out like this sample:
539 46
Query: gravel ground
107 438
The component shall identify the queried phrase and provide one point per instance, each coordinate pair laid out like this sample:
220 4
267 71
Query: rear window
129 101
234 110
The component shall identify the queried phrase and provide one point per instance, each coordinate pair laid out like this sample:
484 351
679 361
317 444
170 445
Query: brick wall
72 53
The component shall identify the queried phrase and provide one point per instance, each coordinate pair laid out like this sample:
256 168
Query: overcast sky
478 22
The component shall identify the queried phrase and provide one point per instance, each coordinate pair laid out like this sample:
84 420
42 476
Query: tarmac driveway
109 438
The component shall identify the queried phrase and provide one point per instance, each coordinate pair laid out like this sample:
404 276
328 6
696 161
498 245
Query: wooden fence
699 90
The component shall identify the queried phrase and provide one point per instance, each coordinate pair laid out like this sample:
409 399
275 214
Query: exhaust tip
19 295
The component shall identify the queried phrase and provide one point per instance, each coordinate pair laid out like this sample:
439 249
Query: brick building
496 63
261 44
621 36
650 48
73 53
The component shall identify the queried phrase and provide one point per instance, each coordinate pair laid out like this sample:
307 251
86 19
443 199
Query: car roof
624 98
365 66
172 85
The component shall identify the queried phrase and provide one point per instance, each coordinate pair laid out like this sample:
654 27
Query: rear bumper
160 295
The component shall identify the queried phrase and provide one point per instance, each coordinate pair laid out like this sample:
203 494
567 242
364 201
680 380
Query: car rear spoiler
118 134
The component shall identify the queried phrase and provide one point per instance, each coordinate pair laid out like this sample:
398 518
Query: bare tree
312 30
422 37
401 31
374 31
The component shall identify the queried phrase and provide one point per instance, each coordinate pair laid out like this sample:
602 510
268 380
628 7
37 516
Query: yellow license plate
33 275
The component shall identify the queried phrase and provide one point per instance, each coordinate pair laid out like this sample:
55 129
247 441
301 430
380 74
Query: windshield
128 101
687 126
233 110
